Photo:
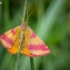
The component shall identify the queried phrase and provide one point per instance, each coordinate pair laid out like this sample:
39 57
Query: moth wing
15 47
7 39
33 45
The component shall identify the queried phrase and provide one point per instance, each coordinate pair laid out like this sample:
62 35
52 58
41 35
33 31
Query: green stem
32 64
16 61
24 11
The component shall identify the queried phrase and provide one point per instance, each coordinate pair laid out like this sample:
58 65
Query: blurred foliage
50 20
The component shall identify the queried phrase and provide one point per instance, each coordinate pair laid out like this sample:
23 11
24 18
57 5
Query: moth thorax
21 41
21 38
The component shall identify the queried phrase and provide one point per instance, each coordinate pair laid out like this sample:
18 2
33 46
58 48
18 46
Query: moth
23 37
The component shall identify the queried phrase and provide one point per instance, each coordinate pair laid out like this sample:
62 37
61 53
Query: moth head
24 26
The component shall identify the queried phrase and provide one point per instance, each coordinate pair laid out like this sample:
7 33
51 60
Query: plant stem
16 61
15 67
32 64
24 11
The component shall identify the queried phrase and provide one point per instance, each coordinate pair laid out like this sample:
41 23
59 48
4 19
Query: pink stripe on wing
12 31
33 35
42 47
8 40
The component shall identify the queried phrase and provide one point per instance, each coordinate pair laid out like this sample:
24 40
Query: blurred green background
50 20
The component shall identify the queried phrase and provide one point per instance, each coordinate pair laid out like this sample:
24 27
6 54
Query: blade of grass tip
16 61
31 59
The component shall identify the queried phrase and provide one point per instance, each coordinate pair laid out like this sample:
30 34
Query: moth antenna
28 16
20 18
